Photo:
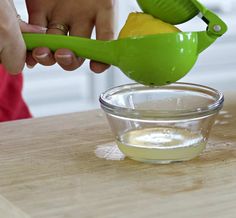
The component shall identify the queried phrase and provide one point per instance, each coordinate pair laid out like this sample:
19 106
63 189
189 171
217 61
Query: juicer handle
102 51
216 27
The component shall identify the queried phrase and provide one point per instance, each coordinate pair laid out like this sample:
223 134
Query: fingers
29 28
39 55
38 18
66 58
44 56
104 31
80 19
30 61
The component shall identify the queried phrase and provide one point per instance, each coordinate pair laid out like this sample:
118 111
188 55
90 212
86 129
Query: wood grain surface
49 169
8 210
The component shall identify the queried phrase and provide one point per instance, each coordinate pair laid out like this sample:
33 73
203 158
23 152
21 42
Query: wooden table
49 169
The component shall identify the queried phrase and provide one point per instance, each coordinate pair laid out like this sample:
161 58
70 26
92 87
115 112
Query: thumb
29 28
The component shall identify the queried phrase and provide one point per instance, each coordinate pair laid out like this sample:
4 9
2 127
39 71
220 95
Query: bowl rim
163 114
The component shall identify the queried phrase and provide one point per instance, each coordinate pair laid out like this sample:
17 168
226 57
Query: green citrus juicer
150 60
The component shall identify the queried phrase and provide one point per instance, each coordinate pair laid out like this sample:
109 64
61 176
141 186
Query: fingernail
65 59
43 29
30 66
40 29
41 56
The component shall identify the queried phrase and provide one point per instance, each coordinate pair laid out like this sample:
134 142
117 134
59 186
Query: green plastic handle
102 51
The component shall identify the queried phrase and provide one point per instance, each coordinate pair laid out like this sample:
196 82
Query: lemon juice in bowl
161 144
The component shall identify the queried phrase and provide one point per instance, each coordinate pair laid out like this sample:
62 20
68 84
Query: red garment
12 105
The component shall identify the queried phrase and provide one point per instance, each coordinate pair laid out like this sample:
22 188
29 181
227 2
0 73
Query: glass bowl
161 124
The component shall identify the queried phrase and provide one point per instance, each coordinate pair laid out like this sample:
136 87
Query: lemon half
140 24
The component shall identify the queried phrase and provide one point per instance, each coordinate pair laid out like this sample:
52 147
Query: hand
12 46
80 17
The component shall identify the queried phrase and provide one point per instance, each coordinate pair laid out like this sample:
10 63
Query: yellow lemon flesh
140 24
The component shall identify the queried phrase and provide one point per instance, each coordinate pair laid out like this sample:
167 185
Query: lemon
140 24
